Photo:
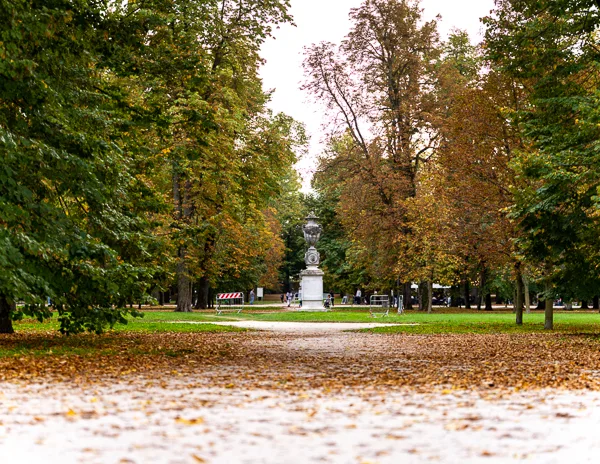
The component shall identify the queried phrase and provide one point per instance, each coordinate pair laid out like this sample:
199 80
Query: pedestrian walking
357 298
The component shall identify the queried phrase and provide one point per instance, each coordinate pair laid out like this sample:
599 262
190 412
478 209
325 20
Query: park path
299 327
311 395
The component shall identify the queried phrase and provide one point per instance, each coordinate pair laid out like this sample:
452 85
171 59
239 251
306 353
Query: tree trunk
467 294
184 286
203 293
455 296
480 289
184 212
407 295
514 301
211 297
195 296
541 303
5 320
584 304
549 309
429 296
488 302
156 295
595 302
420 291
518 304
526 294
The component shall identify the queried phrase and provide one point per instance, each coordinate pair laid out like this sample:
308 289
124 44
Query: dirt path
302 397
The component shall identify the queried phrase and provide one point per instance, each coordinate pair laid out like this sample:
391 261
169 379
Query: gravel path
122 424
264 409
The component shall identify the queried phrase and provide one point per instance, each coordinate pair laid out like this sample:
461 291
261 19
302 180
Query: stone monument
312 276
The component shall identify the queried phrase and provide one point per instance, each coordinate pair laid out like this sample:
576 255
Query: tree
291 211
551 48
379 87
72 201
344 271
222 150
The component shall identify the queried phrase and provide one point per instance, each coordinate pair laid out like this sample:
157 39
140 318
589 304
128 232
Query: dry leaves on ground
301 361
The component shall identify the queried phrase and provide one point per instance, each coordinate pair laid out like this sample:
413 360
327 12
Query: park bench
230 303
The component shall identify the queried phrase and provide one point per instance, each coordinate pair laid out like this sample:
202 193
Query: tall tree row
223 152
136 145
379 86
551 48
467 165
73 226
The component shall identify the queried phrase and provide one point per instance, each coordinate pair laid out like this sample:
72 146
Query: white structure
312 276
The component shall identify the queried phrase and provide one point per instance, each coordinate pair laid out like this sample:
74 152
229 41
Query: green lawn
454 322
150 323
42 339
473 322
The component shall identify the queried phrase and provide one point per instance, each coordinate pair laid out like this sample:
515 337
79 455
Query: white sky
327 20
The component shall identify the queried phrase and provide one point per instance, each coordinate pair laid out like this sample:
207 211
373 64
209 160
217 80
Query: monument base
312 289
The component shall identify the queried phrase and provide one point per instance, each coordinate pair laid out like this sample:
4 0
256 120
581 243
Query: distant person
357 298
332 296
251 297
282 298
289 298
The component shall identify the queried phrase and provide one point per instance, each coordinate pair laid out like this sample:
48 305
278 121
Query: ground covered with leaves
299 396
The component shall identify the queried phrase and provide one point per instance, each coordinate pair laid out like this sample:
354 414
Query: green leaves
550 47
70 224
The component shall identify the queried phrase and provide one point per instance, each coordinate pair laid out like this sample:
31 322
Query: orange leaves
297 363
195 421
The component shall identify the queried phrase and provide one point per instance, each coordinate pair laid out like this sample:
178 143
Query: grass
158 326
40 339
150 323
436 323
495 323
449 321
272 301
43 339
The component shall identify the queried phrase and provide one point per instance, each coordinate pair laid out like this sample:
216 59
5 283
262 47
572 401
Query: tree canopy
139 156
466 164
129 133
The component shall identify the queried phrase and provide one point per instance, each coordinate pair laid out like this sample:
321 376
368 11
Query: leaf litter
299 397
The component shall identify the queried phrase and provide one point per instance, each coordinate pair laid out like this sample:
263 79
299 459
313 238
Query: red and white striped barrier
227 296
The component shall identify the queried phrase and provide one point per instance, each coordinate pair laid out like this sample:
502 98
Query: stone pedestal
312 277
312 289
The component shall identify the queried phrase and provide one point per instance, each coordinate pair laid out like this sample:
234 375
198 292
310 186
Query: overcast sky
319 20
